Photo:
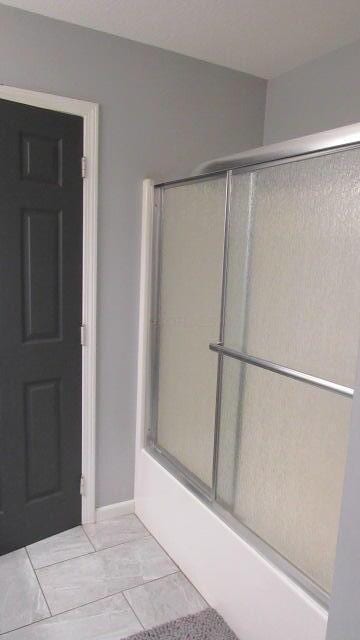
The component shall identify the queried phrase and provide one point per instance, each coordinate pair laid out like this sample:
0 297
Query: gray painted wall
161 115
319 95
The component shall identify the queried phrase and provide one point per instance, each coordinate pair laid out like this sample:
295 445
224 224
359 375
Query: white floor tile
112 532
21 600
76 582
63 546
107 619
165 600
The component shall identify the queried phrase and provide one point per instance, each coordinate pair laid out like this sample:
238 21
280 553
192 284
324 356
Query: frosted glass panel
191 244
281 463
293 292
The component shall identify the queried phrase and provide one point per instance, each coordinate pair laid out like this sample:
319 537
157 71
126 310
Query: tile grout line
132 609
156 580
172 560
144 584
147 535
85 604
122 592
57 615
160 545
143 535
90 553
53 564
116 593
83 528
38 581
79 606
23 626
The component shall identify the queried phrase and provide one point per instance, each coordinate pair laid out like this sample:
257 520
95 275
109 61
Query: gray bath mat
206 625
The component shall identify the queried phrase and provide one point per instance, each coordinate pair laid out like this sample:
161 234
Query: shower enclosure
254 332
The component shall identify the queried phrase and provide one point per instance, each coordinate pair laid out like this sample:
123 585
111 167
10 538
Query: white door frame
89 111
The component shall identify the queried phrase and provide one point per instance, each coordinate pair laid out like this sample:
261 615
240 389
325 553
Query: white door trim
89 111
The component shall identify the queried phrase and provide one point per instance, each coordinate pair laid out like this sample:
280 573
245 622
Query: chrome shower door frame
164 457
314 146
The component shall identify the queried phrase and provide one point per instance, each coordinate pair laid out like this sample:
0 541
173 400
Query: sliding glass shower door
262 425
190 223
293 299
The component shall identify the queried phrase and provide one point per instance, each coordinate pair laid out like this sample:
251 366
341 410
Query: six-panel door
40 318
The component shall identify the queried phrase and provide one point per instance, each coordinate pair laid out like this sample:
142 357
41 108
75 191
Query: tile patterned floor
103 581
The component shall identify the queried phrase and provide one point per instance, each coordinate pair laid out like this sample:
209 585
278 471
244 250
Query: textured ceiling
263 37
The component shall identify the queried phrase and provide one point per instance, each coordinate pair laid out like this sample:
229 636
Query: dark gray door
40 317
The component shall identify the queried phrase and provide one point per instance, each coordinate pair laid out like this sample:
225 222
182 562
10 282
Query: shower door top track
310 146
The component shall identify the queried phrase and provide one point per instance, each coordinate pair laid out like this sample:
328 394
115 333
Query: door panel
191 248
42 431
42 259
292 298
282 456
40 318
41 159
298 270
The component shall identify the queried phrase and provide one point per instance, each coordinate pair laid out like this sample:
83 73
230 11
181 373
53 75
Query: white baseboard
111 511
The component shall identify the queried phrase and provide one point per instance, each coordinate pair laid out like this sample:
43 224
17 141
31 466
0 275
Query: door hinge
83 167
82 335
82 485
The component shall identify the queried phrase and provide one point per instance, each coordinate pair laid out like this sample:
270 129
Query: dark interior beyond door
40 318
